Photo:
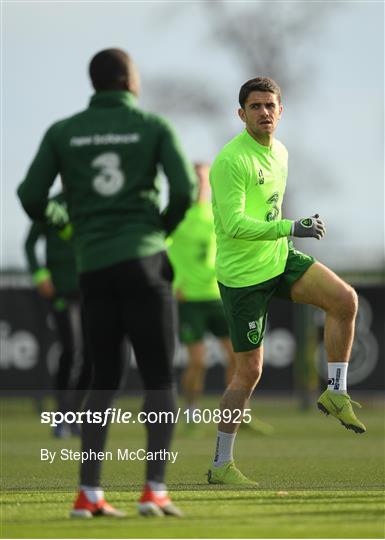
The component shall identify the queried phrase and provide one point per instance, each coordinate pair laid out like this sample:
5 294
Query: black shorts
132 298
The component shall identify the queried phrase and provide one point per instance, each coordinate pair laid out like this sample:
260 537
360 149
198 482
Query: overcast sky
333 131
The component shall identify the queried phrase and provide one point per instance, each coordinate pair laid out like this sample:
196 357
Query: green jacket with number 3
108 157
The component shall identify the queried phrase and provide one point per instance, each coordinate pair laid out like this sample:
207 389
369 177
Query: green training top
108 157
192 254
248 181
59 257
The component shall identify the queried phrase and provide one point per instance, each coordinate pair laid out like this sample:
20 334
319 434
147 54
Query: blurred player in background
192 253
57 281
108 157
255 261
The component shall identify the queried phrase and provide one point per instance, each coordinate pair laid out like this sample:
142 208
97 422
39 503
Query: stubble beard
261 134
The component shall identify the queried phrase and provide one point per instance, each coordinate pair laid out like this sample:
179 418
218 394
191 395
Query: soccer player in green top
256 261
108 157
192 250
192 255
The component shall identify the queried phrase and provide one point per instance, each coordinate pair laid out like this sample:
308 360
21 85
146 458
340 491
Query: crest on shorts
253 334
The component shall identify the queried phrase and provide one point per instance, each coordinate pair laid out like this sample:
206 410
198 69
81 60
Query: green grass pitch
334 479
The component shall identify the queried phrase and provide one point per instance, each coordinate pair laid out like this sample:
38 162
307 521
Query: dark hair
259 84
110 69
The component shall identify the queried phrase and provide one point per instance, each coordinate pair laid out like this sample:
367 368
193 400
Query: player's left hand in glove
57 216
312 227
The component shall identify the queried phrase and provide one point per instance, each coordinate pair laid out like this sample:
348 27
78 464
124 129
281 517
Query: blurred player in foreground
192 253
108 157
57 281
255 261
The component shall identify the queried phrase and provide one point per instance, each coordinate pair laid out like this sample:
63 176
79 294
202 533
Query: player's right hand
312 227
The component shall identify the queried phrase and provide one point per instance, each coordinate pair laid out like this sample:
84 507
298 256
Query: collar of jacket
113 98
255 145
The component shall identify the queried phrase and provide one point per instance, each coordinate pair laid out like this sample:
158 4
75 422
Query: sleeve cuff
41 275
285 227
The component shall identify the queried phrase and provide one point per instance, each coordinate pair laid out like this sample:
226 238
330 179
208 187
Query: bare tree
260 38
267 38
270 38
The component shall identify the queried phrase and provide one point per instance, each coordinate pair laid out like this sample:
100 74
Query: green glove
56 214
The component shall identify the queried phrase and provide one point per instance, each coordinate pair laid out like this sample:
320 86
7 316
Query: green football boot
340 406
228 474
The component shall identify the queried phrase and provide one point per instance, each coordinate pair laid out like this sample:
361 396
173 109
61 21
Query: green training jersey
192 254
108 157
59 264
248 182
